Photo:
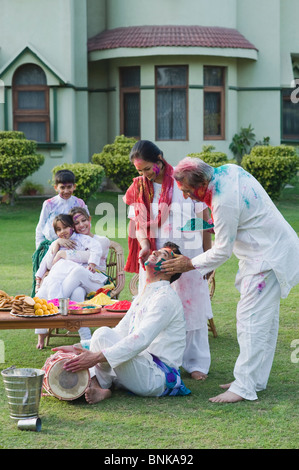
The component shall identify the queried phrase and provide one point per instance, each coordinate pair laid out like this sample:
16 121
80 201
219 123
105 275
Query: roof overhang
146 41
172 51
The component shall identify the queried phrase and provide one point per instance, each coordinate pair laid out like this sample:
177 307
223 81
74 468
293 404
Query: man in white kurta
151 332
248 224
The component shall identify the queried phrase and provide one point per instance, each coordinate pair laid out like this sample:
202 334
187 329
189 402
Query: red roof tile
169 36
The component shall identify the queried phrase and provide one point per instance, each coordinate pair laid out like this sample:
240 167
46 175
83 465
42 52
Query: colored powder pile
195 225
100 299
72 305
121 305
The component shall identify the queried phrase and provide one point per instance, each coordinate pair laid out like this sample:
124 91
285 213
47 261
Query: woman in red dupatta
149 162
157 202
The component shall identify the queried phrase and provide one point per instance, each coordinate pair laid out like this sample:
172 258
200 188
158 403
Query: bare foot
41 341
226 397
225 386
197 375
95 394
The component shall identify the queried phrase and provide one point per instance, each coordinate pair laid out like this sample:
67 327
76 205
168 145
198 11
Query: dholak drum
63 384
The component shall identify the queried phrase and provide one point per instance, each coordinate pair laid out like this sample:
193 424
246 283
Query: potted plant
31 189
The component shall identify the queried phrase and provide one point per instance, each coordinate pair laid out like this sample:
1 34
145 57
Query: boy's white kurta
191 287
155 325
248 224
50 209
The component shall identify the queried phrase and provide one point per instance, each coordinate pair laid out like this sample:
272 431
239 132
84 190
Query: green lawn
130 422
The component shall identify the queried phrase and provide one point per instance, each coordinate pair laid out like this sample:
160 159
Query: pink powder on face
76 216
156 169
137 162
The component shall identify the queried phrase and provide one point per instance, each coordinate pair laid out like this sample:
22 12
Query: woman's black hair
146 150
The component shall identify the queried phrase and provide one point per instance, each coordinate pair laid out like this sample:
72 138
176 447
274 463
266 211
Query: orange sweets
42 307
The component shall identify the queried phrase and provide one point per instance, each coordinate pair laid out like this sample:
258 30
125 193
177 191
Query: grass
130 422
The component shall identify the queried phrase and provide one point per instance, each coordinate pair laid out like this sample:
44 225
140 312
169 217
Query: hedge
18 160
116 162
272 166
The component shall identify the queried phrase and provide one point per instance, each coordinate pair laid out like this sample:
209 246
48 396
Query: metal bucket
23 390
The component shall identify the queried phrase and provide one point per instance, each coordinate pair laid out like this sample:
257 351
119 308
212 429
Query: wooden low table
69 322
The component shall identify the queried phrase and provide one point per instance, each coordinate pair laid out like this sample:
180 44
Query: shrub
18 160
88 178
241 143
12 135
214 159
116 162
272 166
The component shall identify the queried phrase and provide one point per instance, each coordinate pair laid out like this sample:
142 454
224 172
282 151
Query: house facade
76 73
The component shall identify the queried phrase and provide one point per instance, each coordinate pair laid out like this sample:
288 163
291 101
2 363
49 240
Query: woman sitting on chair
77 284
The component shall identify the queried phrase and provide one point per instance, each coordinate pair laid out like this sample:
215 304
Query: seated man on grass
144 351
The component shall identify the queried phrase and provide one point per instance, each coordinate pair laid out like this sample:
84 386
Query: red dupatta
141 194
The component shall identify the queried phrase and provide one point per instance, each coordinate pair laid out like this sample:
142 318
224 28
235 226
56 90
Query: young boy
62 203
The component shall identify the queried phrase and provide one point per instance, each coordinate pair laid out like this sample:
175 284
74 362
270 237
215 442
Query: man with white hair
248 224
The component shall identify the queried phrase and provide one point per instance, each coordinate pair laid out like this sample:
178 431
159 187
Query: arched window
31 103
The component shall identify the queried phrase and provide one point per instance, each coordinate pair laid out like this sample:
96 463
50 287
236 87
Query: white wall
171 12
56 31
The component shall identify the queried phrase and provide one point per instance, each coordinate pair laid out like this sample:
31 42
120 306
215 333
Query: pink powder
156 169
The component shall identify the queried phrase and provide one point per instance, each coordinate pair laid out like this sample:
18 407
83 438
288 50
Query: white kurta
153 325
82 277
86 247
248 224
191 287
50 209
88 250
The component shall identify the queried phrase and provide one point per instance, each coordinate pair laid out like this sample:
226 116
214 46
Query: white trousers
197 352
257 330
139 375
78 295
82 277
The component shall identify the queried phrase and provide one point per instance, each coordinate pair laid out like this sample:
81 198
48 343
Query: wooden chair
133 286
115 269
212 287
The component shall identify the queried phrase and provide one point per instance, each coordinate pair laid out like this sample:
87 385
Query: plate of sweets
121 306
5 301
25 306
